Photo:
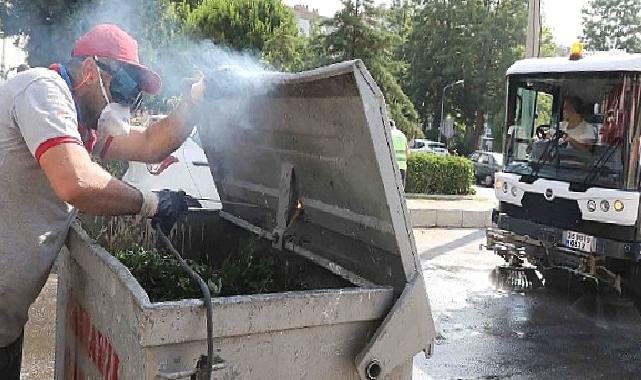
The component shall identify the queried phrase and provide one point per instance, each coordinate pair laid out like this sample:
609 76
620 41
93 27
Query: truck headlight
514 191
505 187
618 206
605 206
591 205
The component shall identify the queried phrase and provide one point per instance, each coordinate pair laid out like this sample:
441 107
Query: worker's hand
194 87
193 92
172 206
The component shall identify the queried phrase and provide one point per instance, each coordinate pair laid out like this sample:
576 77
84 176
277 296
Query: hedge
434 174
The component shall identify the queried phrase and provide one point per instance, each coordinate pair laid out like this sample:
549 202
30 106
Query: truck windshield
573 127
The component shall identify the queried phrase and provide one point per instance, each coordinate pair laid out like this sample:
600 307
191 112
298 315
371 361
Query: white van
428 146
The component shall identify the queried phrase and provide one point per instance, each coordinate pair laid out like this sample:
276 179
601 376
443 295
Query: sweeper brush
517 278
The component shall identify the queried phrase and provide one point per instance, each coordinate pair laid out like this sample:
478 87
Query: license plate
578 241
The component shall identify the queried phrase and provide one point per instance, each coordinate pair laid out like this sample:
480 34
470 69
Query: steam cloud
174 62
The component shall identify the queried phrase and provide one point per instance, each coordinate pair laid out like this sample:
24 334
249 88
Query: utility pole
533 42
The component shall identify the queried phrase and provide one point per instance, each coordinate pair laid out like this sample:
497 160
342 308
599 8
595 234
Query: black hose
206 299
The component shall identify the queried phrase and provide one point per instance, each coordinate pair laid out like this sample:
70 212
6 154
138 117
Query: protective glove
172 206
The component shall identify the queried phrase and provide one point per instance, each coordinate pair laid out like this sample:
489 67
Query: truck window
544 104
571 128
521 129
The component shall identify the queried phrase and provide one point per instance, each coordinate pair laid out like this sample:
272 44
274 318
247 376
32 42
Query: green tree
474 40
400 18
241 24
266 28
544 102
46 23
612 24
359 31
548 46
400 22
285 51
52 26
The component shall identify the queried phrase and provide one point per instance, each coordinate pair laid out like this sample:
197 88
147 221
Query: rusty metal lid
308 159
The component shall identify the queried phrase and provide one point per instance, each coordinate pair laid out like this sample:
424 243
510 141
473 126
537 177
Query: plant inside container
232 261
163 278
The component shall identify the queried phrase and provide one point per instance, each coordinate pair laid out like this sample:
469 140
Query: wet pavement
487 333
482 332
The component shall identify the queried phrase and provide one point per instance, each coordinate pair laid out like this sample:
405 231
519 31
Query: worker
400 149
578 133
49 120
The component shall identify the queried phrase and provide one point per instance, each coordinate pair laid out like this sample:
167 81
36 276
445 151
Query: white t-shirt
583 133
37 112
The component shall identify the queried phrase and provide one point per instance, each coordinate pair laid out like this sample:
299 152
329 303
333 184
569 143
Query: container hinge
289 205
391 346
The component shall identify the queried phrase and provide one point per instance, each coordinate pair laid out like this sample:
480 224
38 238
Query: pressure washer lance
205 364
218 201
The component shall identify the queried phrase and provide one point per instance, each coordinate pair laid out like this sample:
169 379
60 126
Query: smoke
167 52
227 71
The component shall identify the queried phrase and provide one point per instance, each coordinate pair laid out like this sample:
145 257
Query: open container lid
307 161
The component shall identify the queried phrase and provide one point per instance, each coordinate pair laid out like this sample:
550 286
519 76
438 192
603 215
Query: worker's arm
85 185
80 182
46 118
44 115
578 144
163 137
157 141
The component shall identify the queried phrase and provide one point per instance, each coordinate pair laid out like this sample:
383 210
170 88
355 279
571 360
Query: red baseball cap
109 41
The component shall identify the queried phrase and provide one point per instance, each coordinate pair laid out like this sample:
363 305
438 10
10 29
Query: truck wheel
488 180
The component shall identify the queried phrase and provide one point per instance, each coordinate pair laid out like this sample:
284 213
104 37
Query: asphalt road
487 333
483 332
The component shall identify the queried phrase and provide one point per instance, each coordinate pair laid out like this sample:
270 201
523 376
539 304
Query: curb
437 197
431 218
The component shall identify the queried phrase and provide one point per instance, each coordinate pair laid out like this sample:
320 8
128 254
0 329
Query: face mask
124 87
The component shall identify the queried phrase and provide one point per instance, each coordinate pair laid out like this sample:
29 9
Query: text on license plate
578 241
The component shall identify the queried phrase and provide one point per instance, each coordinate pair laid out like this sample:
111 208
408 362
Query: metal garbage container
305 163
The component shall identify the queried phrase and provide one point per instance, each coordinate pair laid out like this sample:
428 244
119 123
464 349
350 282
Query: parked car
474 156
441 151
428 146
485 165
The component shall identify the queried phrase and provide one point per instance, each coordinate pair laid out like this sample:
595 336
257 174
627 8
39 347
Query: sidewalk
466 213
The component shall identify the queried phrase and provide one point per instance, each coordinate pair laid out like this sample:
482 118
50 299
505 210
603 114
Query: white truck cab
569 192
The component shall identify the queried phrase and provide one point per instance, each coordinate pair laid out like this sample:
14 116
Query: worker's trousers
10 360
